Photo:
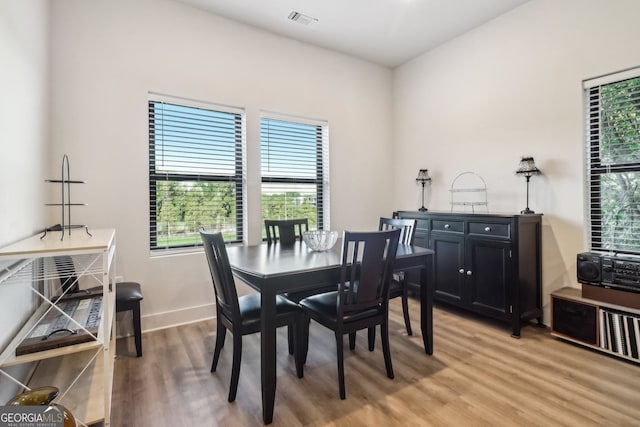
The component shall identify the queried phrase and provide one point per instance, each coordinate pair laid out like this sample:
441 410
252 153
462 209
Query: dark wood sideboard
489 264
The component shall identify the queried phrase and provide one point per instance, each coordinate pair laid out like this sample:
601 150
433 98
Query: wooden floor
477 376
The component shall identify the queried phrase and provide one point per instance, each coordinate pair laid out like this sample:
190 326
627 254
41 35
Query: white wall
479 102
106 56
24 142
510 88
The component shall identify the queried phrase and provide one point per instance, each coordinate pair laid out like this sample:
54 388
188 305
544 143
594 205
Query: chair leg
235 366
372 338
137 330
305 337
340 357
352 340
405 308
291 339
221 332
300 326
384 332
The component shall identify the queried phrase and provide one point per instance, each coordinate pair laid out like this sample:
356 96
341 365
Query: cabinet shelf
80 377
580 320
83 372
8 356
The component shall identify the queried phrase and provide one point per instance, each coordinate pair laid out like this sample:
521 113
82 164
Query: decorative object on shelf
43 396
65 201
527 169
35 397
320 240
423 177
469 189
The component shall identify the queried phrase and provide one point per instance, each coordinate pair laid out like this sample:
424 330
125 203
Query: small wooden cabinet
607 327
486 263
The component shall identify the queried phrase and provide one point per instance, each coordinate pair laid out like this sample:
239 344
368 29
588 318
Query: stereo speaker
589 268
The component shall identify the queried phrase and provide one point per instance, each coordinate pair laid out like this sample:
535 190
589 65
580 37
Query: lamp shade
423 176
528 167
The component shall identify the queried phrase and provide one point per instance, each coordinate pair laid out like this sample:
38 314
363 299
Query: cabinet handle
447 226
487 229
469 273
461 271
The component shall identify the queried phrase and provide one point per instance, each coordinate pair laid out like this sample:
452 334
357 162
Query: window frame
321 180
239 177
596 169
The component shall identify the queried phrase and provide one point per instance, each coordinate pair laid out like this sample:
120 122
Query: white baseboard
167 319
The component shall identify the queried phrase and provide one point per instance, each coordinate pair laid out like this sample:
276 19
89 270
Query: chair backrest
285 231
223 284
367 262
407 228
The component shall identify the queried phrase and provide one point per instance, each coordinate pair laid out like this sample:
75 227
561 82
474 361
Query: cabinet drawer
422 224
450 226
490 229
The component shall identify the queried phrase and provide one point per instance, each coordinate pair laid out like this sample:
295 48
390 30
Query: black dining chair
362 298
398 287
241 315
285 231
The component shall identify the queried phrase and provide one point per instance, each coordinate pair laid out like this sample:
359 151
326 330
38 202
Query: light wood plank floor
477 376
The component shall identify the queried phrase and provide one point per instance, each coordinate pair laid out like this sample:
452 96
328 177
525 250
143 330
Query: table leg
426 309
268 354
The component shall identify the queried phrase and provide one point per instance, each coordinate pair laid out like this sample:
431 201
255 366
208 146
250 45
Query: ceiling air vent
303 19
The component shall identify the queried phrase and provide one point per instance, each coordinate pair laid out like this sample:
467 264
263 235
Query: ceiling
386 32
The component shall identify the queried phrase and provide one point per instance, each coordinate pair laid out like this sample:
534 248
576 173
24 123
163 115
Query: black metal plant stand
65 181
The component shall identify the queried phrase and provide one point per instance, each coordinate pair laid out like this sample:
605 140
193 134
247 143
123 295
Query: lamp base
527 211
423 209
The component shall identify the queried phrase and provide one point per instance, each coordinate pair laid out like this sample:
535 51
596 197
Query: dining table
277 269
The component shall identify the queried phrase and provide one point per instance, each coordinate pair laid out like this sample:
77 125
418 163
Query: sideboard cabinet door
488 277
448 267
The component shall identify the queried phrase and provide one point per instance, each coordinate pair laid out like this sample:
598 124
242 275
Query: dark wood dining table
277 269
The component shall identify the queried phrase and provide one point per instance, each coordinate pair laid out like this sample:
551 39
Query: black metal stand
65 202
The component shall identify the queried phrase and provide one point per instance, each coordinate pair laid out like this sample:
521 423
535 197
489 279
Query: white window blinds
196 172
613 161
295 169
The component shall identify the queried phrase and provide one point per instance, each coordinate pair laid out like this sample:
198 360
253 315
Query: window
295 169
613 161
196 170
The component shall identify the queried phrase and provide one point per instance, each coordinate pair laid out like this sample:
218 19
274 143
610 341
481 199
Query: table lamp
423 177
527 169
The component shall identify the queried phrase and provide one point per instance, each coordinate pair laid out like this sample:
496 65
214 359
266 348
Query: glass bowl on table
320 240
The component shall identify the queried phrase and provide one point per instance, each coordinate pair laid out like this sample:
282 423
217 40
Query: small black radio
609 271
